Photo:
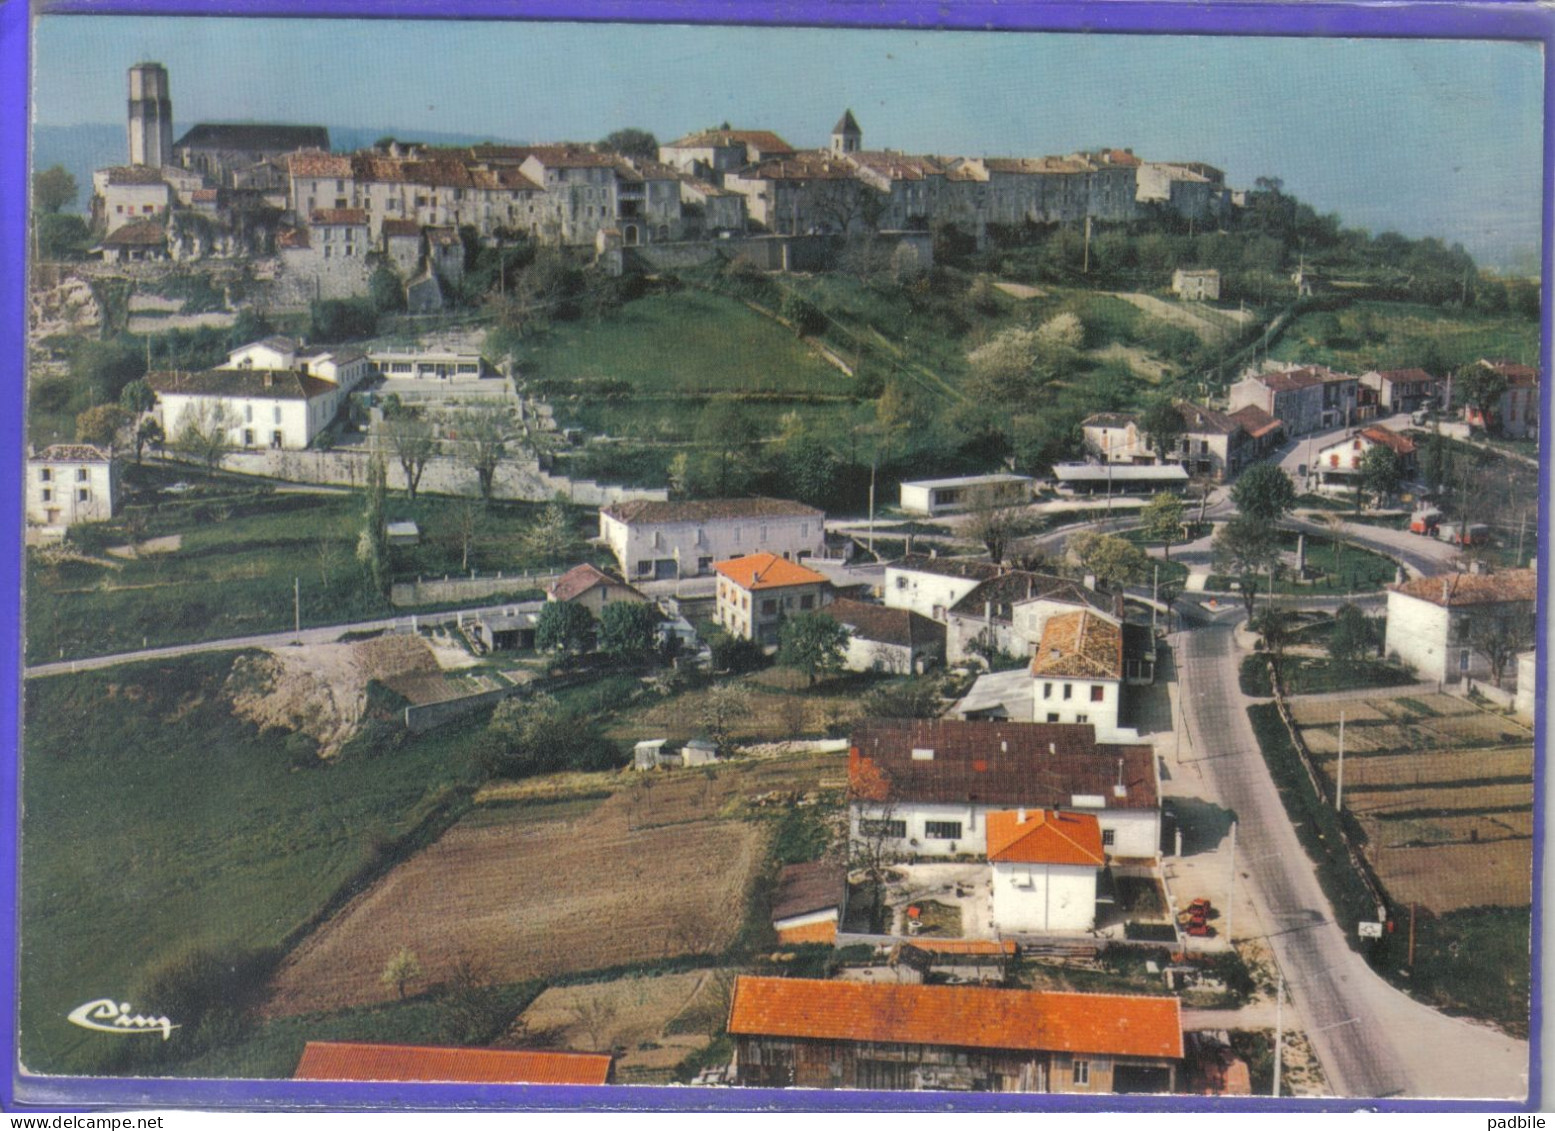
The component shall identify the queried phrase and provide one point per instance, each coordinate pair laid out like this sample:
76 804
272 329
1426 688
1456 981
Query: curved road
1372 1040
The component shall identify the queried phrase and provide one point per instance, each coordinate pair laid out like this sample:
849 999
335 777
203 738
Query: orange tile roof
767 571
1079 644
957 1017
350 1060
1388 438
1459 589
315 163
1044 837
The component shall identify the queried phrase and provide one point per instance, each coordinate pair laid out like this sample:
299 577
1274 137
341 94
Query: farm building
964 493
1196 285
510 630
882 639
355 1060
1124 479
592 588
800 1032
1044 865
808 903
928 785
1437 625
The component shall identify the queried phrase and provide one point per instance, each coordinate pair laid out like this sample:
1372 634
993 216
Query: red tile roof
1456 590
1388 438
581 578
1044 837
134 175
957 1017
254 384
997 762
401 228
138 233
765 141
1255 421
767 571
74 453
1304 378
291 238
350 1060
314 163
1080 645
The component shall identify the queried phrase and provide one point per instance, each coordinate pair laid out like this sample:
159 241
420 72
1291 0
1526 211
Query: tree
472 1008
564 626
402 969
814 643
62 235
101 424
1351 636
915 697
874 844
342 319
537 735
372 547
725 437
1162 425
1163 517
631 142
551 537
1274 629
483 435
148 433
137 397
1482 388
629 630
1058 343
1003 369
1381 473
1264 492
385 290
413 442
1243 548
1499 641
203 432
1115 561
53 189
721 708
994 522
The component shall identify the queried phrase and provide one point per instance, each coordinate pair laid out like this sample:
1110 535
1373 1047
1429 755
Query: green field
1387 335
155 823
1351 570
240 550
687 342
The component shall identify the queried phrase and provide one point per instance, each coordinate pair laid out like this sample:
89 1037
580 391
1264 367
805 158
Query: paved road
1373 1041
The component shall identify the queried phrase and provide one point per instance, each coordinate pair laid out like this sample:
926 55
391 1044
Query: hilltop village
730 614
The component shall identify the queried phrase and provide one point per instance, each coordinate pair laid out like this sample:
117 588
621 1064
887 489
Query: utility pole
1086 268
1155 594
1339 788
873 462
297 608
1412 937
1279 1030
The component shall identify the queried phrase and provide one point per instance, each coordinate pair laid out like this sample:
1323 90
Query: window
644 568
48 494
248 413
1047 691
1109 837
768 607
83 495
1082 1074
896 829
1082 718
942 830
1068 690
82 475
763 534
1052 716
807 602
901 582
278 414
1098 693
45 474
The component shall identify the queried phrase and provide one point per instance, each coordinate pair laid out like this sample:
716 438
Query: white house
1007 613
71 483
930 586
1434 623
657 540
1077 672
124 194
965 492
882 639
1044 866
927 786
1338 464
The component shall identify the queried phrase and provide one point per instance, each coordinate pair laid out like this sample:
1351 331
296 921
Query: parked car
1425 521
1464 534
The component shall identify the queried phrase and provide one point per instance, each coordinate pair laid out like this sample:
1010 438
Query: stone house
71 483
883 639
1434 623
1303 400
592 588
808 1033
758 592
124 194
709 154
1200 285
1402 390
657 540
140 241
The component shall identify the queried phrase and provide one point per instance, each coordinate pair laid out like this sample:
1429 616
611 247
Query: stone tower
846 137
151 116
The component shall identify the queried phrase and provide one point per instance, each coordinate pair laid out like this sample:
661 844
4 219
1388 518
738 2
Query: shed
646 755
699 752
403 534
808 903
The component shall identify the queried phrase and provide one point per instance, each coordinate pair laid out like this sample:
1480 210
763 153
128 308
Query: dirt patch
1140 362
1178 315
530 894
321 689
1020 290
651 1024
168 544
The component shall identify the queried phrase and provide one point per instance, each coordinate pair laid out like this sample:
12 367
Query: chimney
1090 581
1052 748
1446 590
1020 815
269 379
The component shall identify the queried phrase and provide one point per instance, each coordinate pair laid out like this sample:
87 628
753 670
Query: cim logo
108 1016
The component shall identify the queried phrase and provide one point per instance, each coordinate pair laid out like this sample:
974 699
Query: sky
1425 137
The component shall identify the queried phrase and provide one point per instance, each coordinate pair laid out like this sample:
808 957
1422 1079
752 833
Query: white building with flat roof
965 492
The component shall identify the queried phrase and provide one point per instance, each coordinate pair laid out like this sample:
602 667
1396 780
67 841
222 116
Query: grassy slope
1399 331
154 822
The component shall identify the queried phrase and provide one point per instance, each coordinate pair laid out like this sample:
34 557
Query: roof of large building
357 1060
137 233
581 578
316 163
338 217
1514 371
1197 420
1393 376
1079 645
1455 590
74 453
804 889
957 1016
846 124
1287 380
997 762
253 384
401 228
253 135
767 142
767 571
882 625
650 511
801 167
135 175
967 569
1044 836
1109 420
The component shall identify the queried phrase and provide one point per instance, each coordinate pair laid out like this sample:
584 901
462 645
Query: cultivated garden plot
530 897
1440 799
1433 766
1449 877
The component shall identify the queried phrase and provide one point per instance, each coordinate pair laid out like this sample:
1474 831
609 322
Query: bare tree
413 442
596 1016
995 522
483 440
1499 641
875 842
721 708
203 432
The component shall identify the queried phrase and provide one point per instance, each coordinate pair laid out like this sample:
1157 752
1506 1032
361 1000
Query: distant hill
81 149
